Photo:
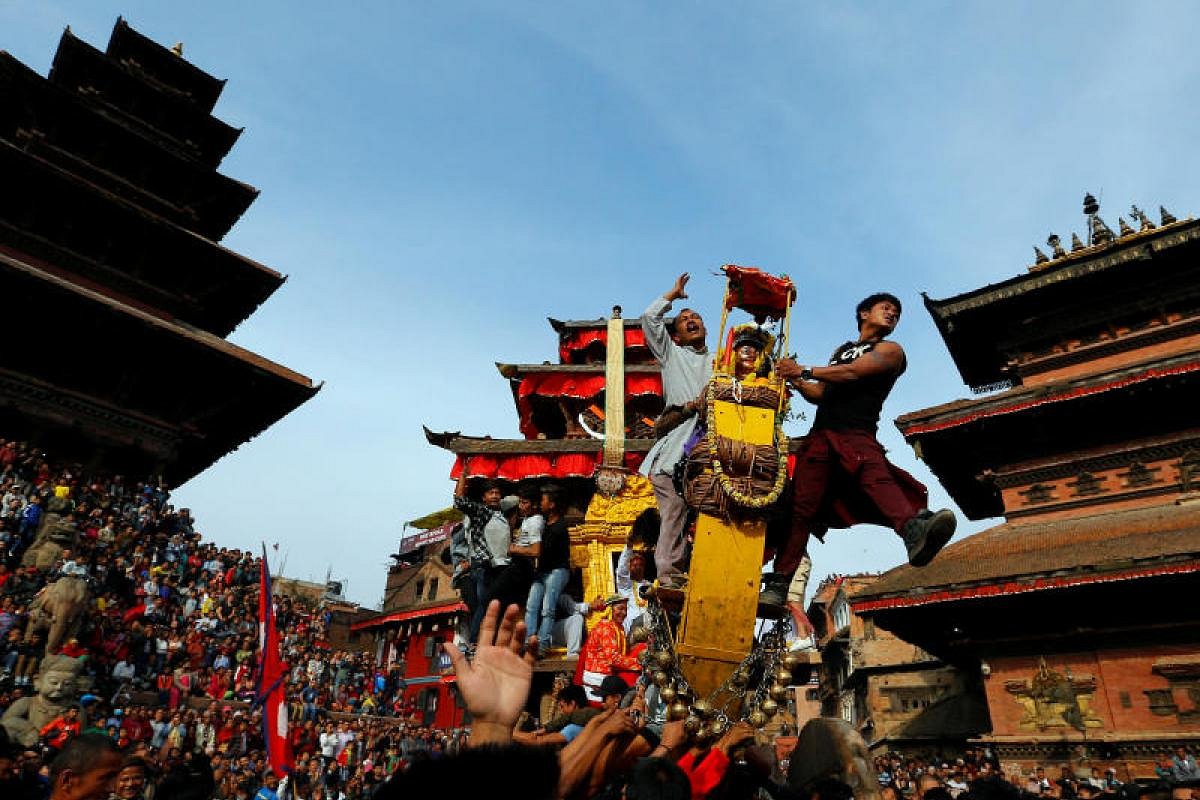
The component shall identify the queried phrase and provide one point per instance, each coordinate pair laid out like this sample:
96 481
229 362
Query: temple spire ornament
1098 232
1124 228
1056 247
1143 221
1076 245
1038 256
1166 216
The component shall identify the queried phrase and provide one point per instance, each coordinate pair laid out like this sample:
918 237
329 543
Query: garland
781 445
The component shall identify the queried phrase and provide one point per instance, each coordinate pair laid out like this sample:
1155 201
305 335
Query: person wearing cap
849 394
604 653
686 367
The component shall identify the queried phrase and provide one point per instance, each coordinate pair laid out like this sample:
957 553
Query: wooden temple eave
161 66
518 371
987 331
64 129
600 323
218 396
961 413
1086 262
78 66
424 611
214 287
466 445
1023 557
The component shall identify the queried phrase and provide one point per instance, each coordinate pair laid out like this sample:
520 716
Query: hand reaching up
495 686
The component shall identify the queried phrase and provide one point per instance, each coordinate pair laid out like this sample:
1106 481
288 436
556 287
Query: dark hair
573 693
657 779
937 793
529 493
473 773
554 494
488 485
82 754
673 320
832 789
869 302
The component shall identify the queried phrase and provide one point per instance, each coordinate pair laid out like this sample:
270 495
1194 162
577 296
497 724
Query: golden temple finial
177 49
1075 243
1143 220
1056 247
1166 216
1038 256
1124 228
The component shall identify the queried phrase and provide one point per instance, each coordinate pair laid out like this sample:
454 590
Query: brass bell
663 659
678 711
792 661
644 658
661 678
702 708
716 728
777 692
638 635
703 736
769 707
693 725
783 677
740 678
668 694
757 718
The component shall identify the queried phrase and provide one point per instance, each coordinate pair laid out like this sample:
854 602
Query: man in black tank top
842 447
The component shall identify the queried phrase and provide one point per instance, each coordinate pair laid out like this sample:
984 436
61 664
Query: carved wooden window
420 588
1038 493
433 588
1162 702
1139 475
1087 484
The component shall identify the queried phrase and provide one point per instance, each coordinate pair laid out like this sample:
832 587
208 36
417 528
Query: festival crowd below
152 693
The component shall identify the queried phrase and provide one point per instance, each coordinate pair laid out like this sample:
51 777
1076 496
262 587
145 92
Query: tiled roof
1017 557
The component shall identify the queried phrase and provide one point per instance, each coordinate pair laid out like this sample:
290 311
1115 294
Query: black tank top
854 406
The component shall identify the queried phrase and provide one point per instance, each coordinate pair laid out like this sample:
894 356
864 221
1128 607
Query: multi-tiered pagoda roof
109 232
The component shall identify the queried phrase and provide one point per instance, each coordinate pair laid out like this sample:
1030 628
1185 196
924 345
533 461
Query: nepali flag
270 689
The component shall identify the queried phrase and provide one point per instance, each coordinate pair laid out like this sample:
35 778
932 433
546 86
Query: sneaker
926 534
775 588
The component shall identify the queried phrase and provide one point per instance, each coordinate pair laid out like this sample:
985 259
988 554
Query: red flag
270 692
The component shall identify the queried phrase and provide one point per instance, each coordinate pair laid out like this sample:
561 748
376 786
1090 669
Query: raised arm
658 339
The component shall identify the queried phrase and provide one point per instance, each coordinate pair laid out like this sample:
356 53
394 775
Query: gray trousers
670 554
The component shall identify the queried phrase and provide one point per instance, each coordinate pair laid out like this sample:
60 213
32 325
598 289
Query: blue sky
438 178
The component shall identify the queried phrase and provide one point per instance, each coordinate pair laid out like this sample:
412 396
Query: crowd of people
159 650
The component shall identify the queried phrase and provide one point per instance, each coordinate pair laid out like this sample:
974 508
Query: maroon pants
859 458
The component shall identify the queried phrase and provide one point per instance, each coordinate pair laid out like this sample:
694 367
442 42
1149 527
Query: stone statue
55 535
59 609
57 684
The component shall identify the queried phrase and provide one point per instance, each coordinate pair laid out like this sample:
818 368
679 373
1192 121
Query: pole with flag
270 693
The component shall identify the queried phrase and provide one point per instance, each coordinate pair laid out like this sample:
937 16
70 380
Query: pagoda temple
561 408
1079 610
110 230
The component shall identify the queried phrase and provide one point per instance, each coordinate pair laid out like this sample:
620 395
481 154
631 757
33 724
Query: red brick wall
1114 670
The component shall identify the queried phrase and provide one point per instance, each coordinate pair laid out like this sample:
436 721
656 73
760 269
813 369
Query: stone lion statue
57 685
54 535
59 609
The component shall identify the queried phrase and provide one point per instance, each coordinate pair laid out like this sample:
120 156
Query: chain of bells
754 692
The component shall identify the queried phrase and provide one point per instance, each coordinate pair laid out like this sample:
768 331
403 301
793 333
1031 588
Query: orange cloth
604 651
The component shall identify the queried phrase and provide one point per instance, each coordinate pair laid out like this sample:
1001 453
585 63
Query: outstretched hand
679 290
495 685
